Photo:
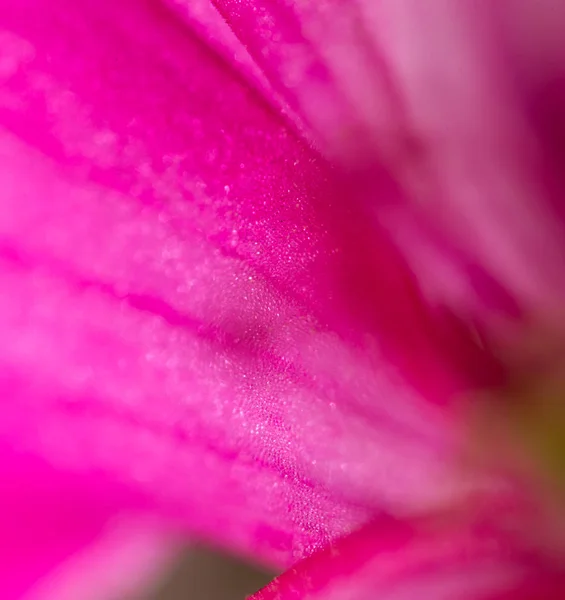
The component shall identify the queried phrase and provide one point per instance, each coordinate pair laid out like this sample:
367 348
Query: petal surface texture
195 306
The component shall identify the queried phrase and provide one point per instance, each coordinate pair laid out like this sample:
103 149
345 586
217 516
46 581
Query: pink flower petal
429 91
65 537
393 560
204 19
194 307
129 557
320 57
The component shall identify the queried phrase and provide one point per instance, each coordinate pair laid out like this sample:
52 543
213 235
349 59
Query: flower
239 266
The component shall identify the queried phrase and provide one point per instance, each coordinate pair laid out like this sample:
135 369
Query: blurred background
203 574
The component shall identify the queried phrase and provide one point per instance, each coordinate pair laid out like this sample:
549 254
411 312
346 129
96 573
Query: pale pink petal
194 306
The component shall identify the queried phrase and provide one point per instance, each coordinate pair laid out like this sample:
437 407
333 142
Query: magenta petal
202 17
64 537
190 308
321 57
393 560
460 102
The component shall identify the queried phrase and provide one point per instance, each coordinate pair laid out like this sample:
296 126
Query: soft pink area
196 306
204 319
